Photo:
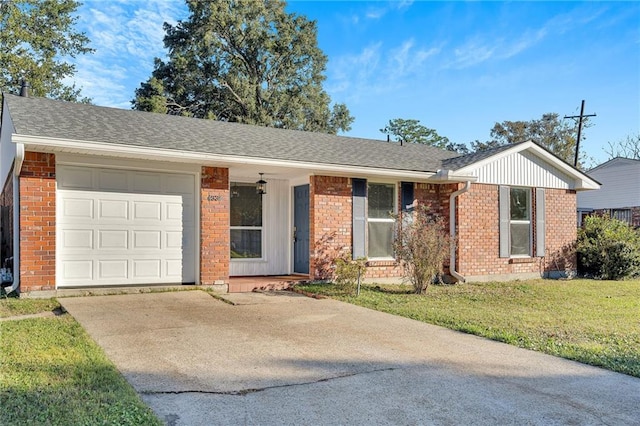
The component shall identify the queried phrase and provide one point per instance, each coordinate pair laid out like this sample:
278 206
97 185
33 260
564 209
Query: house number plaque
214 197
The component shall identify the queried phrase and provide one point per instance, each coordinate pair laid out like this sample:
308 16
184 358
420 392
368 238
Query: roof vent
24 89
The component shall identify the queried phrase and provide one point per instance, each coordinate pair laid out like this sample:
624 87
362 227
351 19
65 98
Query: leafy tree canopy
412 131
627 148
35 38
244 61
550 131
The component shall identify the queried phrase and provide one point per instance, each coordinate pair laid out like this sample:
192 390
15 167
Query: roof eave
449 176
46 144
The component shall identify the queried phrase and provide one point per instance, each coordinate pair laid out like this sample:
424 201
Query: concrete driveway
281 358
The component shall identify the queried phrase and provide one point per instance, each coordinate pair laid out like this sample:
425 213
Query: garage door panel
112 180
147 183
173 240
78 208
178 184
113 269
77 270
173 268
147 210
147 240
113 209
77 239
110 239
75 178
145 234
173 211
147 268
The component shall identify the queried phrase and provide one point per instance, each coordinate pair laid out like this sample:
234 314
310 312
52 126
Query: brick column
38 222
330 222
214 226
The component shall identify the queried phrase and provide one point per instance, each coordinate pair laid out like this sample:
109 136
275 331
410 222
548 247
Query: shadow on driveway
287 359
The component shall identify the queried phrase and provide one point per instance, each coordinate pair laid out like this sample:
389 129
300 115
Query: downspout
452 230
17 168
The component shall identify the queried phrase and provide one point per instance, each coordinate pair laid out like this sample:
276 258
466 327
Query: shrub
608 249
347 271
421 245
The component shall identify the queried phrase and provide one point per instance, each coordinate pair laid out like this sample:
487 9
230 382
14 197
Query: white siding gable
620 179
522 168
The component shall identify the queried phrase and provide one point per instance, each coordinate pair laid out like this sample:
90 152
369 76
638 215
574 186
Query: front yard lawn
594 322
52 373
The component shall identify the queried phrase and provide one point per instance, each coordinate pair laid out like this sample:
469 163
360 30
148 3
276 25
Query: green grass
594 322
13 306
52 373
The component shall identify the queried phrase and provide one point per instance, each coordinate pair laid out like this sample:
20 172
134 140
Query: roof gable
616 163
523 164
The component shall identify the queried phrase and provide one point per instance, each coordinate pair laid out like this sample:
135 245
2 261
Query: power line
580 117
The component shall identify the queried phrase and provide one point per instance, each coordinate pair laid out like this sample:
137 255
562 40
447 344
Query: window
380 222
520 221
246 221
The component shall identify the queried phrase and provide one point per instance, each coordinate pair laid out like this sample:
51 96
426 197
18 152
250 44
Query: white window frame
528 222
250 228
382 220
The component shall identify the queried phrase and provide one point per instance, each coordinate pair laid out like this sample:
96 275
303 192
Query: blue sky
458 67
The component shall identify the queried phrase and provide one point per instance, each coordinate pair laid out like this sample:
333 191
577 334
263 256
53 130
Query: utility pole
579 117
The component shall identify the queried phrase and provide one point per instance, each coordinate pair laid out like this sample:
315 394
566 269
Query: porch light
261 185
234 191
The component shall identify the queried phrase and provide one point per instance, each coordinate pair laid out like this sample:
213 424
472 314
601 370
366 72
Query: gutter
17 168
452 230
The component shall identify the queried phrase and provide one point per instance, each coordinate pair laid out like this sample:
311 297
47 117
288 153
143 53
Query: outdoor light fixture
261 185
234 191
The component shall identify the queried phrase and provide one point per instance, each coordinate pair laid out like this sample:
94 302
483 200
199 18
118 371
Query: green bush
608 249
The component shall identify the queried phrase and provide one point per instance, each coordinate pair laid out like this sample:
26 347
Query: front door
301 229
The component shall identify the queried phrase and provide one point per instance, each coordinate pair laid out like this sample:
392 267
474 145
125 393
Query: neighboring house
619 196
96 196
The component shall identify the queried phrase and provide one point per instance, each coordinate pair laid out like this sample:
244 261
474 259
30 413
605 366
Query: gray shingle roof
464 160
81 122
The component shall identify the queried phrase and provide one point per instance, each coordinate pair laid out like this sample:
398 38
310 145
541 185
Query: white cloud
376 70
126 36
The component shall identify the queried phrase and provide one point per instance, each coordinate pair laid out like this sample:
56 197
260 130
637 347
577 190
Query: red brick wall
561 229
214 226
330 222
435 198
38 222
479 238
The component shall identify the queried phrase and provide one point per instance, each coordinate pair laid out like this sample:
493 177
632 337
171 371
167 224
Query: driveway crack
243 392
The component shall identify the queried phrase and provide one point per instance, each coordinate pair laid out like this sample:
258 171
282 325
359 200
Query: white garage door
119 227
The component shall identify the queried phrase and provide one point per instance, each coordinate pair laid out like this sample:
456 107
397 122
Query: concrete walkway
282 359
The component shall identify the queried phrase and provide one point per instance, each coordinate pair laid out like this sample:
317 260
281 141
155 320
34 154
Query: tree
412 131
627 148
36 35
460 148
244 61
549 131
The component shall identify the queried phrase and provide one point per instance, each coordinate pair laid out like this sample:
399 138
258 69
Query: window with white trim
520 221
380 221
246 221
